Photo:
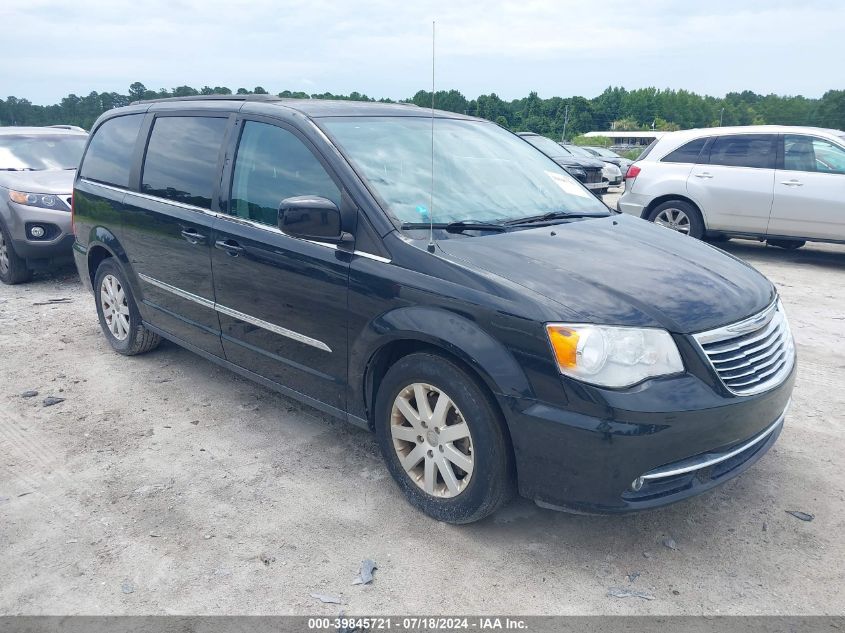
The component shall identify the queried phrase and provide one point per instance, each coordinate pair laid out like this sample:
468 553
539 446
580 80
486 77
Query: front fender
454 334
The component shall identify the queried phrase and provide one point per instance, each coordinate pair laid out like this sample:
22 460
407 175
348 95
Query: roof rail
248 97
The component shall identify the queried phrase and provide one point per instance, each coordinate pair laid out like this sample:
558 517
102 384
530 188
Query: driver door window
273 164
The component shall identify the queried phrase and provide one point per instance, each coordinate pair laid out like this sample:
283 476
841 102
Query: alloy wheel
115 307
4 255
432 440
674 219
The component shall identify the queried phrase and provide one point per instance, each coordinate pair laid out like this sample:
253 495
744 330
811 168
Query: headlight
613 356
43 200
576 171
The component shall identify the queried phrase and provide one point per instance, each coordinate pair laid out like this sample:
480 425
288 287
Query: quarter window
273 164
109 156
181 161
807 153
686 153
744 150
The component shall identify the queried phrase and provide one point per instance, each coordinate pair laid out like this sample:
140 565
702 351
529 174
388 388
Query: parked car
37 166
609 156
776 183
610 173
503 329
586 170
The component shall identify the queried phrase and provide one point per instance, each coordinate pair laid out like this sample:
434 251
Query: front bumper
58 239
592 461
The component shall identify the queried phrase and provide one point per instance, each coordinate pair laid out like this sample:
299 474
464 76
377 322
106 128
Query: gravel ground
164 484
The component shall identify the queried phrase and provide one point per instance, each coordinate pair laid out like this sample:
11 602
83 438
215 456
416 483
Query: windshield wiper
457 227
551 216
17 169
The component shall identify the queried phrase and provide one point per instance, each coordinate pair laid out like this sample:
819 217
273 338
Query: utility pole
721 116
565 121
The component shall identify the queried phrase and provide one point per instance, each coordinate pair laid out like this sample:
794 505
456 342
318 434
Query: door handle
193 237
792 183
230 247
704 174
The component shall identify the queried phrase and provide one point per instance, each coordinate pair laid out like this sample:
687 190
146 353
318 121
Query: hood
58 181
621 270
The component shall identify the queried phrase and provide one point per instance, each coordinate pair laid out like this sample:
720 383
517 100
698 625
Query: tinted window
686 153
109 156
273 164
181 161
744 150
806 153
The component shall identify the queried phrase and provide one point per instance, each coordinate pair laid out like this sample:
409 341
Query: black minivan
434 278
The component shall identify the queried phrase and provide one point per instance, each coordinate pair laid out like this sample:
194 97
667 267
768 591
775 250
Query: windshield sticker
568 185
423 212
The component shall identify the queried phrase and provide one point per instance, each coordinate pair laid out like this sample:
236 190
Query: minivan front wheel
443 439
679 216
118 313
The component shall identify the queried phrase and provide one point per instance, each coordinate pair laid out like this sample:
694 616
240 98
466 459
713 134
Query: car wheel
118 312
789 245
443 439
679 216
13 268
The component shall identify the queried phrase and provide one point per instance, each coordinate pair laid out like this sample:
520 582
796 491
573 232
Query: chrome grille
752 355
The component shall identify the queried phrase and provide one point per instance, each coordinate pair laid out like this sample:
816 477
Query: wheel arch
103 244
667 198
413 329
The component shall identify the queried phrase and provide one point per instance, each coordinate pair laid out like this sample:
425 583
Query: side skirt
285 391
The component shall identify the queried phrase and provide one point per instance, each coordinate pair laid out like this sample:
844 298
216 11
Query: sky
383 48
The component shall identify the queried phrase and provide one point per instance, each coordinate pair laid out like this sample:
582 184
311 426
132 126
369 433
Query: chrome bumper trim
707 459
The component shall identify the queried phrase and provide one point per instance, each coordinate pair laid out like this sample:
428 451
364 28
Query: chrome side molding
235 314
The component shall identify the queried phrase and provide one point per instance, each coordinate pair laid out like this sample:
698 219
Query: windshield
601 151
40 151
579 151
482 173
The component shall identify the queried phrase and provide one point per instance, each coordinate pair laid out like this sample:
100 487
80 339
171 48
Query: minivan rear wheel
118 312
680 216
13 268
443 439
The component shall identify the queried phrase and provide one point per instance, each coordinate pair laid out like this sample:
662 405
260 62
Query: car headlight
576 171
42 200
611 356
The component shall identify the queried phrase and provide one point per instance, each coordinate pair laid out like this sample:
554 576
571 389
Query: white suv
777 183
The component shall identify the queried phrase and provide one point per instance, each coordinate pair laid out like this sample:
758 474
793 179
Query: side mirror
311 218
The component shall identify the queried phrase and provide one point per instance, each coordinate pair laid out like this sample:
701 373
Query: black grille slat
755 359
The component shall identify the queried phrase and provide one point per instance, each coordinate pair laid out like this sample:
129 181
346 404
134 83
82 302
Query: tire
122 323
789 245
687 219
13 268
467 495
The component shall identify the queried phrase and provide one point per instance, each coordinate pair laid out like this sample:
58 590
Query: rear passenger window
181 160
273 164
744 150
109 156
686 153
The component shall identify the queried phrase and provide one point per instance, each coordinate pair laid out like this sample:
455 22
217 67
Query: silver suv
37 168
775 183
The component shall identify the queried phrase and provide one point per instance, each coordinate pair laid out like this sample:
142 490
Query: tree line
615 108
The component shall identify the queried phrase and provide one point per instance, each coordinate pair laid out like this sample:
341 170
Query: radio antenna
431 191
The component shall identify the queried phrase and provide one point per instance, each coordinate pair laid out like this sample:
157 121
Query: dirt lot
163 484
